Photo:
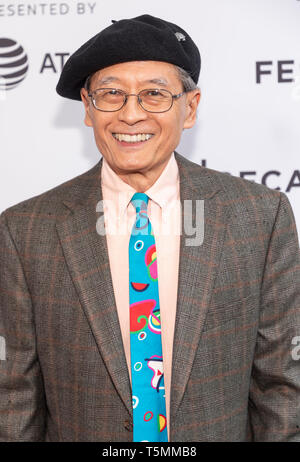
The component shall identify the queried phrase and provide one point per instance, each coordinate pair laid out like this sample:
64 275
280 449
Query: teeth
132 138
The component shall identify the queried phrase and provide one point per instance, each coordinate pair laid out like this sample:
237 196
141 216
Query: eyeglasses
151 100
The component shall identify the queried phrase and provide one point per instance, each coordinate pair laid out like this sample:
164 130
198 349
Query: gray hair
185 78
188 83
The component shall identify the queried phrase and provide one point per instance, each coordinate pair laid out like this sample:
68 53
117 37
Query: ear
192 101
87 107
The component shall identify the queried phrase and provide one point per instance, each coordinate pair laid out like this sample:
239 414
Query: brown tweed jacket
63 374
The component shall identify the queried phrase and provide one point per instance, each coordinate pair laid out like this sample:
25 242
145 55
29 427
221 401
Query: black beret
144 38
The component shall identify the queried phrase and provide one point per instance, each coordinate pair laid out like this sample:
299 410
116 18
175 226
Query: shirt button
128 425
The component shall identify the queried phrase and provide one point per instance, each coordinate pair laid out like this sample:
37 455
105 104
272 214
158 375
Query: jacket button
128 425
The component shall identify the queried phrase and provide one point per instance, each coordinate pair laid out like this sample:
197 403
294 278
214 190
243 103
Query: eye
153 93
112 91
109 95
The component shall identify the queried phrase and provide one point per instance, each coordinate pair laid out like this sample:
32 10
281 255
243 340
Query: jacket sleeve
274 396
22 401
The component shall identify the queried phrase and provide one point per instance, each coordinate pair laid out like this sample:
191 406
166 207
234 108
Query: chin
132 158
135 163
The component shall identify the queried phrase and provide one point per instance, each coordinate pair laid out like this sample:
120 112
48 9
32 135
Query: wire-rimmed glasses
151 99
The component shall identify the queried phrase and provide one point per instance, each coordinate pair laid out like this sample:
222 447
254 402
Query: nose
132 112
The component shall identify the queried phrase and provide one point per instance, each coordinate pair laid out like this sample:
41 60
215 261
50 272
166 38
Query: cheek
171 129
100 140
100 132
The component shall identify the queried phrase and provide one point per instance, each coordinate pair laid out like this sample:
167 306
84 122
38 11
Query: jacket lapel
198 267
87 259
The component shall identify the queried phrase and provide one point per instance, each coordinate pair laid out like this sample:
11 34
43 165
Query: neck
142 181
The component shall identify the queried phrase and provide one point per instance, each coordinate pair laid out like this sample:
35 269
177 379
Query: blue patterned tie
148 389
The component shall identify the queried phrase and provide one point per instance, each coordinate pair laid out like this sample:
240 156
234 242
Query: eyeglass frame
174 97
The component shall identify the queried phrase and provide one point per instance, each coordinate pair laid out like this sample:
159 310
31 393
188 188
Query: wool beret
144 38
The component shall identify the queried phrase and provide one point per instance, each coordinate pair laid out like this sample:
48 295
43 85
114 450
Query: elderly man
150 298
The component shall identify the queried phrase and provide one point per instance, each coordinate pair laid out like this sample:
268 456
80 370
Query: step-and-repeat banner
249 115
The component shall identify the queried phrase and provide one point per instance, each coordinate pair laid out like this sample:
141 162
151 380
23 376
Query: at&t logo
13 64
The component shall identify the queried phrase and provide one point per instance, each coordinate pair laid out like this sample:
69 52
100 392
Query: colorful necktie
148 390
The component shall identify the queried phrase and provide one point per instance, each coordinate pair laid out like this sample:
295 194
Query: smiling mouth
137 138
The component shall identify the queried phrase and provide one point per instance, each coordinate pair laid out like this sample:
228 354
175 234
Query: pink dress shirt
164 213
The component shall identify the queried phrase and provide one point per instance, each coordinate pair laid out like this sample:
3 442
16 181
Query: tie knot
140 202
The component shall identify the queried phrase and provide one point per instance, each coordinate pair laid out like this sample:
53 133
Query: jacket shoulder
247 199
250 201
234 185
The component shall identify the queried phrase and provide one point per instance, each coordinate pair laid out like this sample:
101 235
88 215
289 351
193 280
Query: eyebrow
106 80
157 81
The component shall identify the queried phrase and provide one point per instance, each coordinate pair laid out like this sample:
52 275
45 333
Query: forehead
137 72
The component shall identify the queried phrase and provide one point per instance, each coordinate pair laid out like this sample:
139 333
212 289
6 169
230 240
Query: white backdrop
245 124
